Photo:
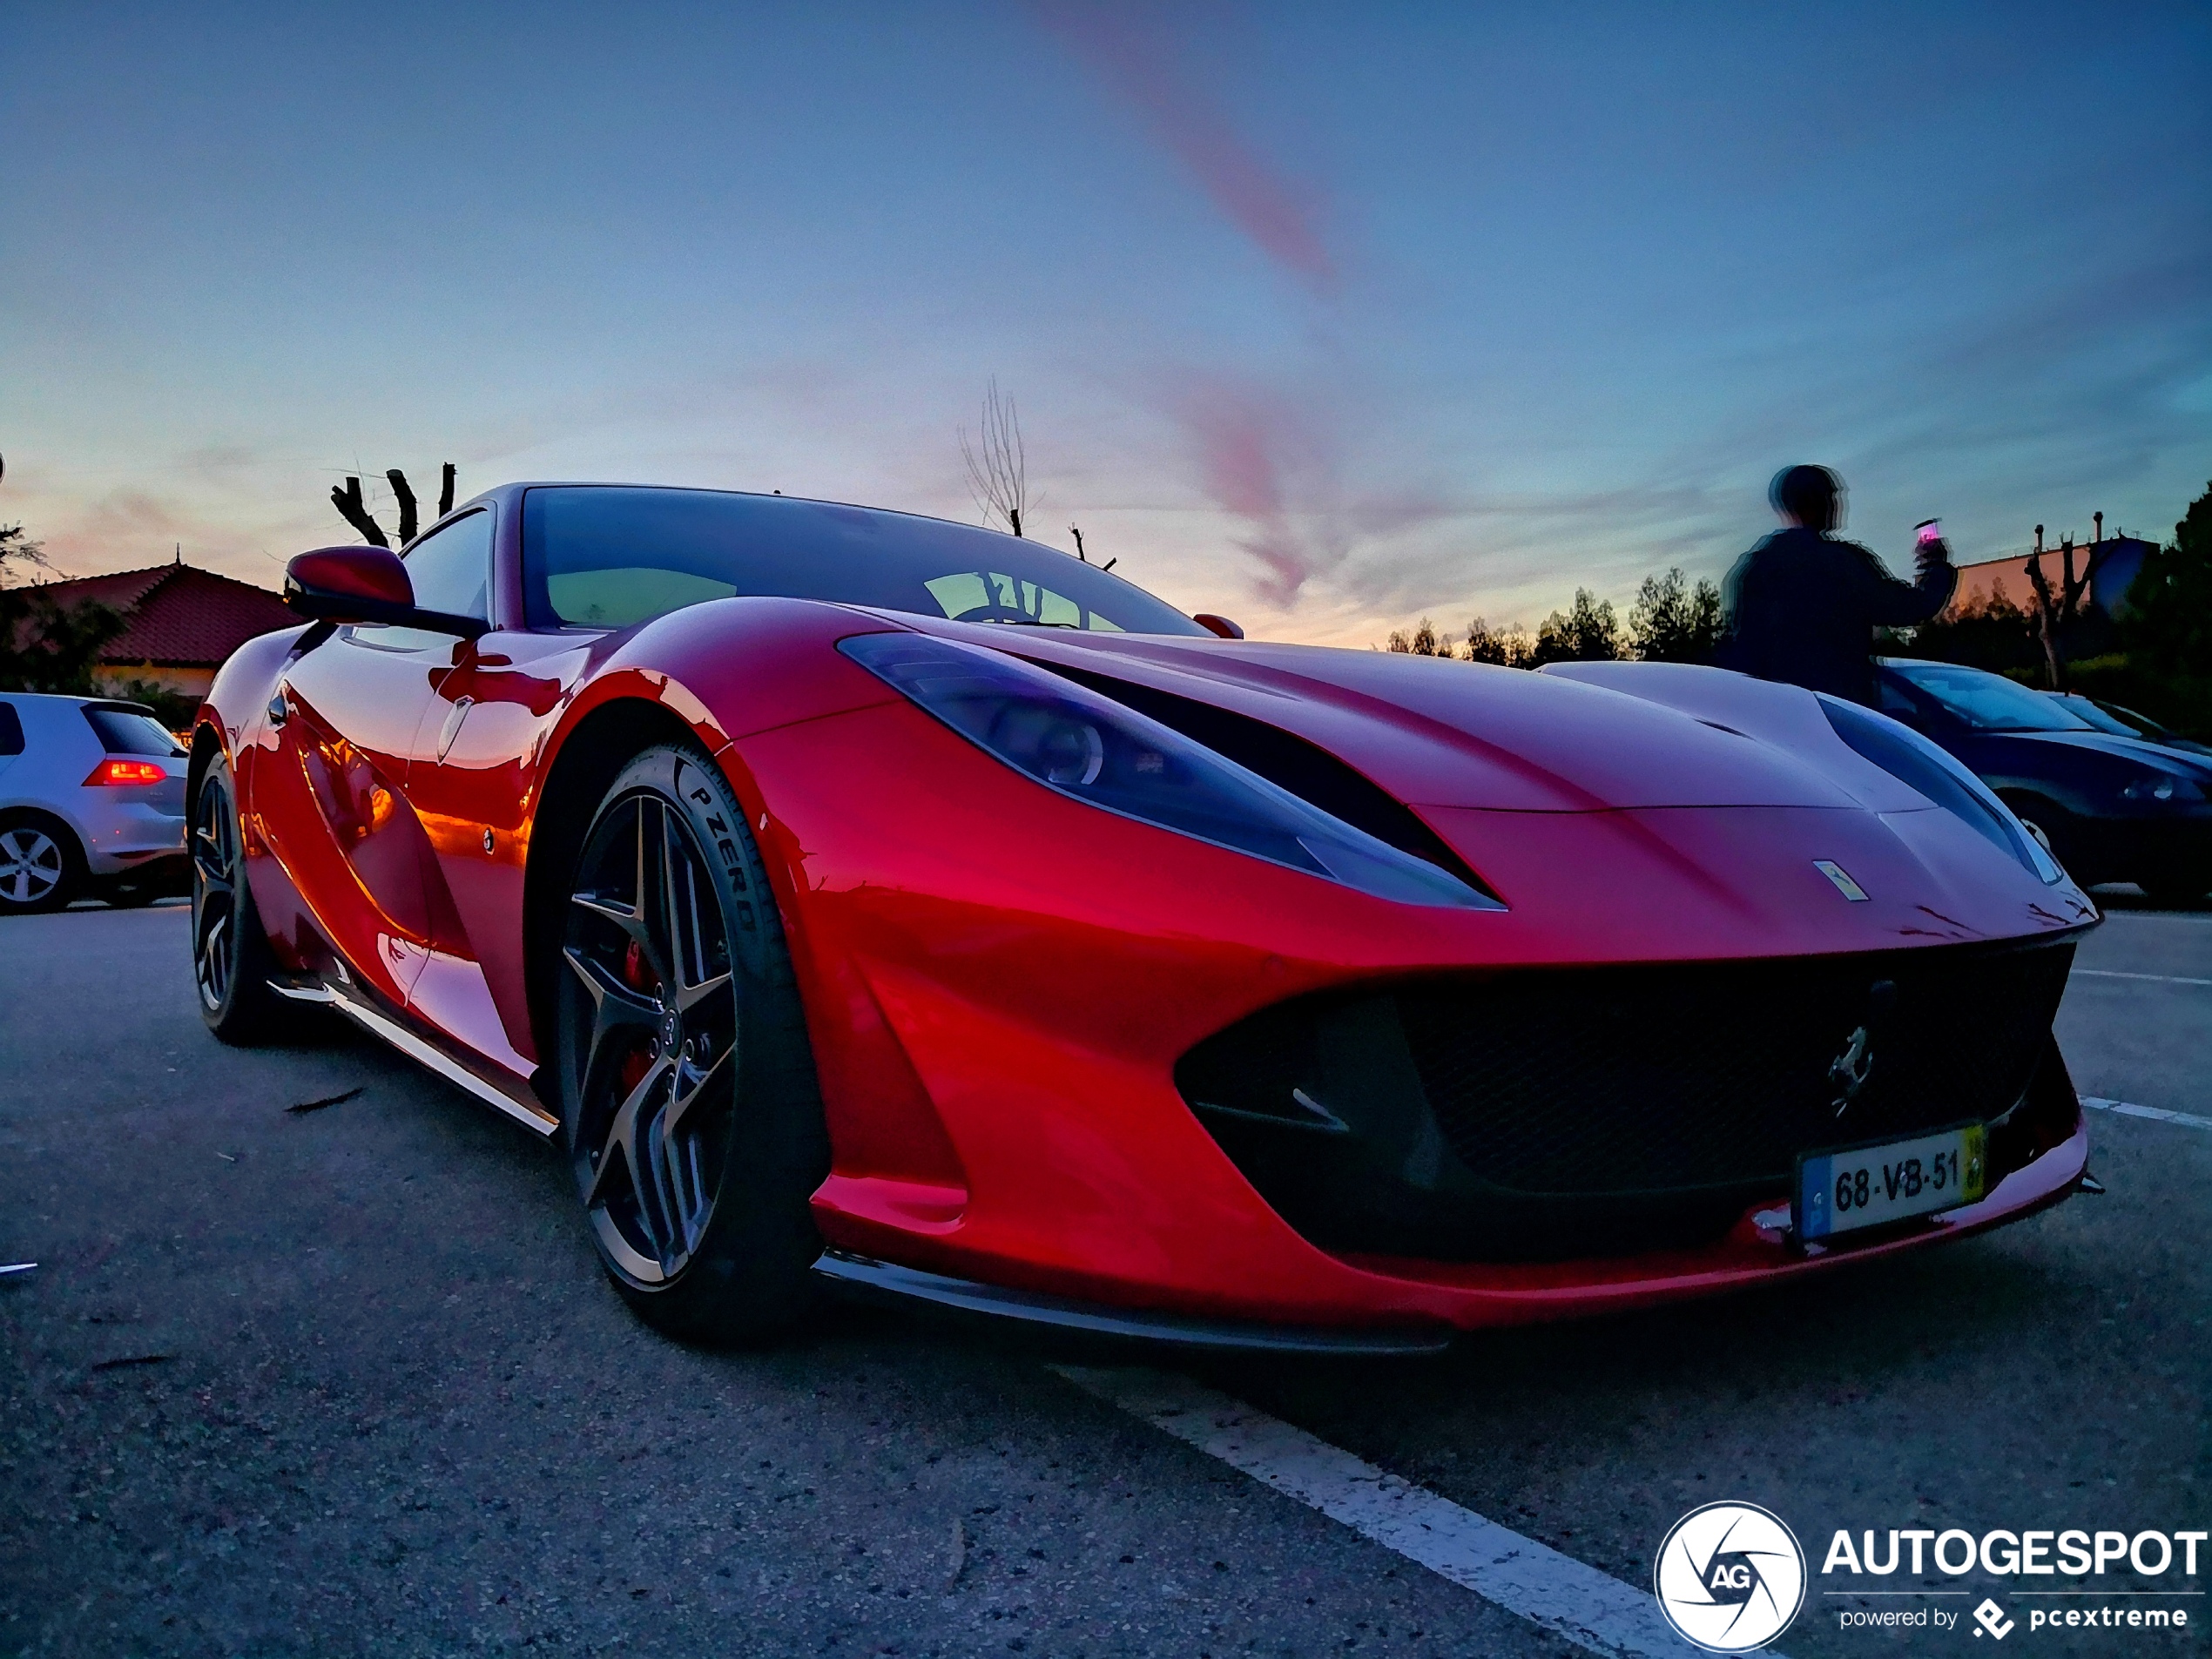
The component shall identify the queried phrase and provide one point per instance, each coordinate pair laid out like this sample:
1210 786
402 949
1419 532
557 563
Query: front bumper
1462 1298
1000 984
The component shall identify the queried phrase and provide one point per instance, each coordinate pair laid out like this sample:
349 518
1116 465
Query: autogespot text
2155 1562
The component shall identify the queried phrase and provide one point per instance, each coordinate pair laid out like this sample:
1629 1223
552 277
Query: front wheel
689 1104
2178 886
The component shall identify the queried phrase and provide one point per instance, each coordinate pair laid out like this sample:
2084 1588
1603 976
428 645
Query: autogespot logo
1730 1577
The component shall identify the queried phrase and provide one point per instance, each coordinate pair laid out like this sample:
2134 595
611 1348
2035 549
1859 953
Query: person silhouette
1801 606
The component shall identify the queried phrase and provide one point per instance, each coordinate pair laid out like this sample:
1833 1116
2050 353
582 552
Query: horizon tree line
1672 620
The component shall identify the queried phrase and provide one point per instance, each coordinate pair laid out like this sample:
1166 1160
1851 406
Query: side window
451 568
1892 700
10 730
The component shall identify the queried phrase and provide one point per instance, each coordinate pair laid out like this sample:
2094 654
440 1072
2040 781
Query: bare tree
997 470
354 510
2053 611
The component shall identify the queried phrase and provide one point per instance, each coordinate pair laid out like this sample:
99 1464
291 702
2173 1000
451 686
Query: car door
11 744
335 805
473 789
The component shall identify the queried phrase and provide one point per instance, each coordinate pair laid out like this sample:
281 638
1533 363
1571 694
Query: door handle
452 727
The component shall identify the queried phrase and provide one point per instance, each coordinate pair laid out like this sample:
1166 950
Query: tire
231 962
2179 889
41 867
688 1099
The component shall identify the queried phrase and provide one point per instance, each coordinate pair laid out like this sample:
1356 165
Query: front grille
1581 1083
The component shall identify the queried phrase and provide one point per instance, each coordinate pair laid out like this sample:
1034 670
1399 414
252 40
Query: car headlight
1919 764
1089 748
2162 786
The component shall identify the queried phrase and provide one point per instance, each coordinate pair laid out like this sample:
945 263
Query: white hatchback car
92 803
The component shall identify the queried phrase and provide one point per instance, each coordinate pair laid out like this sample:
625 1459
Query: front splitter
867 1277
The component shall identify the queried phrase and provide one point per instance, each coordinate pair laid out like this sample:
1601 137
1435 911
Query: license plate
1840 1192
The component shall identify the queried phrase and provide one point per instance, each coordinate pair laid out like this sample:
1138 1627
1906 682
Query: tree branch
355 512
2046 616
405 492
998 476
445 490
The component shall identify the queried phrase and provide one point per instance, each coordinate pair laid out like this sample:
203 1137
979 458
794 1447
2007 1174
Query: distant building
2122 561
181 623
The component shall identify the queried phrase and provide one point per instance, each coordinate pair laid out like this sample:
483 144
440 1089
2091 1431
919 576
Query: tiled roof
178 616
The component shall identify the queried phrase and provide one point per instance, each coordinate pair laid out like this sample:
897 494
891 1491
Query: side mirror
1221 625
365 585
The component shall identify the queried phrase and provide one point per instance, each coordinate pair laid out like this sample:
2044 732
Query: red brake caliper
638 976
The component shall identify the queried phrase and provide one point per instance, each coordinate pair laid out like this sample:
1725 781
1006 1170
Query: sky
1326 318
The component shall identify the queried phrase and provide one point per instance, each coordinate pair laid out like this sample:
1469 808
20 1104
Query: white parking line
2163 979
2156 1114
1589 1609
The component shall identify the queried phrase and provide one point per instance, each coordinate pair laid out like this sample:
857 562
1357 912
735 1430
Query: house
2122 559
181 623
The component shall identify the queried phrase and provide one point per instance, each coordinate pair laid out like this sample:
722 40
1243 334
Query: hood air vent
1288 761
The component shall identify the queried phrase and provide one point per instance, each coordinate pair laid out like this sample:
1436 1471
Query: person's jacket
1802 607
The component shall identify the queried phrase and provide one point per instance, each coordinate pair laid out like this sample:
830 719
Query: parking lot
347 1380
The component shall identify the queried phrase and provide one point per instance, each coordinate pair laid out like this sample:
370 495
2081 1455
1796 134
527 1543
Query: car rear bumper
121 832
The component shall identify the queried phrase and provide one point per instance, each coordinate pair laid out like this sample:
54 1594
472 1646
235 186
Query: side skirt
528 1113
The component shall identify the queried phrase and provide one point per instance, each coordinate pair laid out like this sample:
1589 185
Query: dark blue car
2114 805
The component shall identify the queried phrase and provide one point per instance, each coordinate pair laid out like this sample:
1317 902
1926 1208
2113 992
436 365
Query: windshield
2096 715
606 556
1987 702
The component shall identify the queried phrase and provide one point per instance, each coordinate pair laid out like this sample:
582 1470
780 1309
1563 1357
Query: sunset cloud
1281 214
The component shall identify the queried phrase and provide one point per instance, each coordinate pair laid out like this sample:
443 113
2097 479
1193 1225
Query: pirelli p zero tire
230 959
688 1100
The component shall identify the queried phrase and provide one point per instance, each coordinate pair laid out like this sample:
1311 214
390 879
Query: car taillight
117 770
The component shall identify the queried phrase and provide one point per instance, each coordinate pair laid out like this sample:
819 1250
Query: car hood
1436 732
2142 750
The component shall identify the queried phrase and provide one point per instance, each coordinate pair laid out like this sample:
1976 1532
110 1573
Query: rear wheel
41 866
689 1104
230 959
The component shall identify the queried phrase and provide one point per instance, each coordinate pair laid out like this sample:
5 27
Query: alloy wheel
654 1062
215 876
30 865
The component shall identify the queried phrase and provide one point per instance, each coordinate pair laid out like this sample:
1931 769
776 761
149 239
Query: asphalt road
348 1382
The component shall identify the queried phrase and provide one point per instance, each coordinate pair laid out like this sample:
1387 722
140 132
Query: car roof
72 699
512 491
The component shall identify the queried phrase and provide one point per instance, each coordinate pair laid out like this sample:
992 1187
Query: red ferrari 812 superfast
855 897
